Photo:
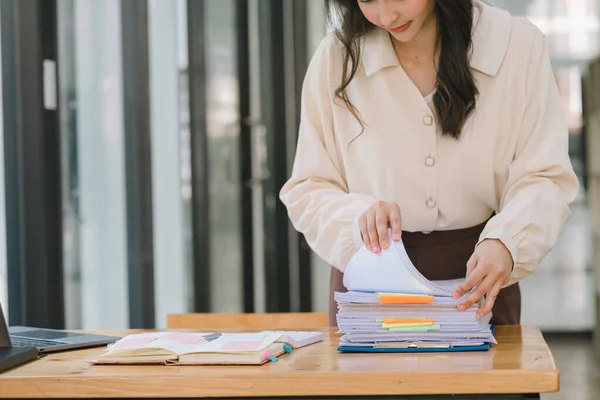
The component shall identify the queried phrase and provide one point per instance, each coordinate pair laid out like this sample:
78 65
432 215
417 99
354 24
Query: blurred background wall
168 127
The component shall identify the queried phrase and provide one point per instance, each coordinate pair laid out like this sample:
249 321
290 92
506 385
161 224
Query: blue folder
362 349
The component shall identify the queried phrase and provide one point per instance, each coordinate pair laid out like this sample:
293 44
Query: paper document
392 271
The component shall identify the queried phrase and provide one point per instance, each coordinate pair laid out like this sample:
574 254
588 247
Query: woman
440 120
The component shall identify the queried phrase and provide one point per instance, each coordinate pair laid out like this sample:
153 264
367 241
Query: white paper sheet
392 271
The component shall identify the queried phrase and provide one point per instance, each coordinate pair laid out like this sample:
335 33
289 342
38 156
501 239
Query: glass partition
93 162
170 169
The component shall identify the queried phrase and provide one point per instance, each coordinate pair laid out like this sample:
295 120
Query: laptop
51 340
10 356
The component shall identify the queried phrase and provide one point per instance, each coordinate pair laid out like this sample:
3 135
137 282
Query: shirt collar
491 35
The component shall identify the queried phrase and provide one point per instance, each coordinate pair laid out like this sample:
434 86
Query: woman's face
404 19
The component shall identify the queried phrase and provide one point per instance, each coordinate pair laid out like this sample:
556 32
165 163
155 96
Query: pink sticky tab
267 354
183 338
133 342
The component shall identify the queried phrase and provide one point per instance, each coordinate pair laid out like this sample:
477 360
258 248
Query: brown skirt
443 255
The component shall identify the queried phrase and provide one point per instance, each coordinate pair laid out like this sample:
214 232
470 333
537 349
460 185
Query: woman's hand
490 266
375 222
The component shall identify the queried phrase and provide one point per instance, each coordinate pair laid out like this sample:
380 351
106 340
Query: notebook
184 348
392 307
297 339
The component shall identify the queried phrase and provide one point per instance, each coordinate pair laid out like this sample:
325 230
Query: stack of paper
391 306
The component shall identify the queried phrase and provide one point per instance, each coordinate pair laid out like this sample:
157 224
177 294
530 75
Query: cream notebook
183 348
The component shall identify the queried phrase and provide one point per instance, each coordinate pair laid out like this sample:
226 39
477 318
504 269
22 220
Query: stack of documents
391 306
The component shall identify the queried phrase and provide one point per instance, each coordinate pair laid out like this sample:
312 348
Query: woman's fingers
490 299
372 230
382 224
471 264
375 222
395 221
482 289
474 277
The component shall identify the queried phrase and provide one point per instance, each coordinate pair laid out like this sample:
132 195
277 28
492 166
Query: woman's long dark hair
456 92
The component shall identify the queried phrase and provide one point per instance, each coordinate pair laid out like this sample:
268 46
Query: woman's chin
404 37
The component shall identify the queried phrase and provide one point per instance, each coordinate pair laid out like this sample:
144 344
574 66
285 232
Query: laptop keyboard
23 342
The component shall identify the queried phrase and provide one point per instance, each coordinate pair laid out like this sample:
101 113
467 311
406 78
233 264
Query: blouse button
431 204
428 120
430 161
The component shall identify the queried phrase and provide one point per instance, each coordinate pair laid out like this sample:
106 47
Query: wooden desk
520 363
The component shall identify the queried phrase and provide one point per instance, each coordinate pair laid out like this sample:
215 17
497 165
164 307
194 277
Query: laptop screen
46 334
4 336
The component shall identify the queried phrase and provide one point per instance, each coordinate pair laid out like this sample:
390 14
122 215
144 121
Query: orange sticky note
387 298
381 294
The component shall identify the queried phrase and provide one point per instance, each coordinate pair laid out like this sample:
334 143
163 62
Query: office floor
579 367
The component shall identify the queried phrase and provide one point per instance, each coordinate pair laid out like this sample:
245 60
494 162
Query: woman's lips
402 28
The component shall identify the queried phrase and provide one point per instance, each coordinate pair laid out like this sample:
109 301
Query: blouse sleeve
541 185
316 196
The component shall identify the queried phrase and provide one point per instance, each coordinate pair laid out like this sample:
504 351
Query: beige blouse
512 157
